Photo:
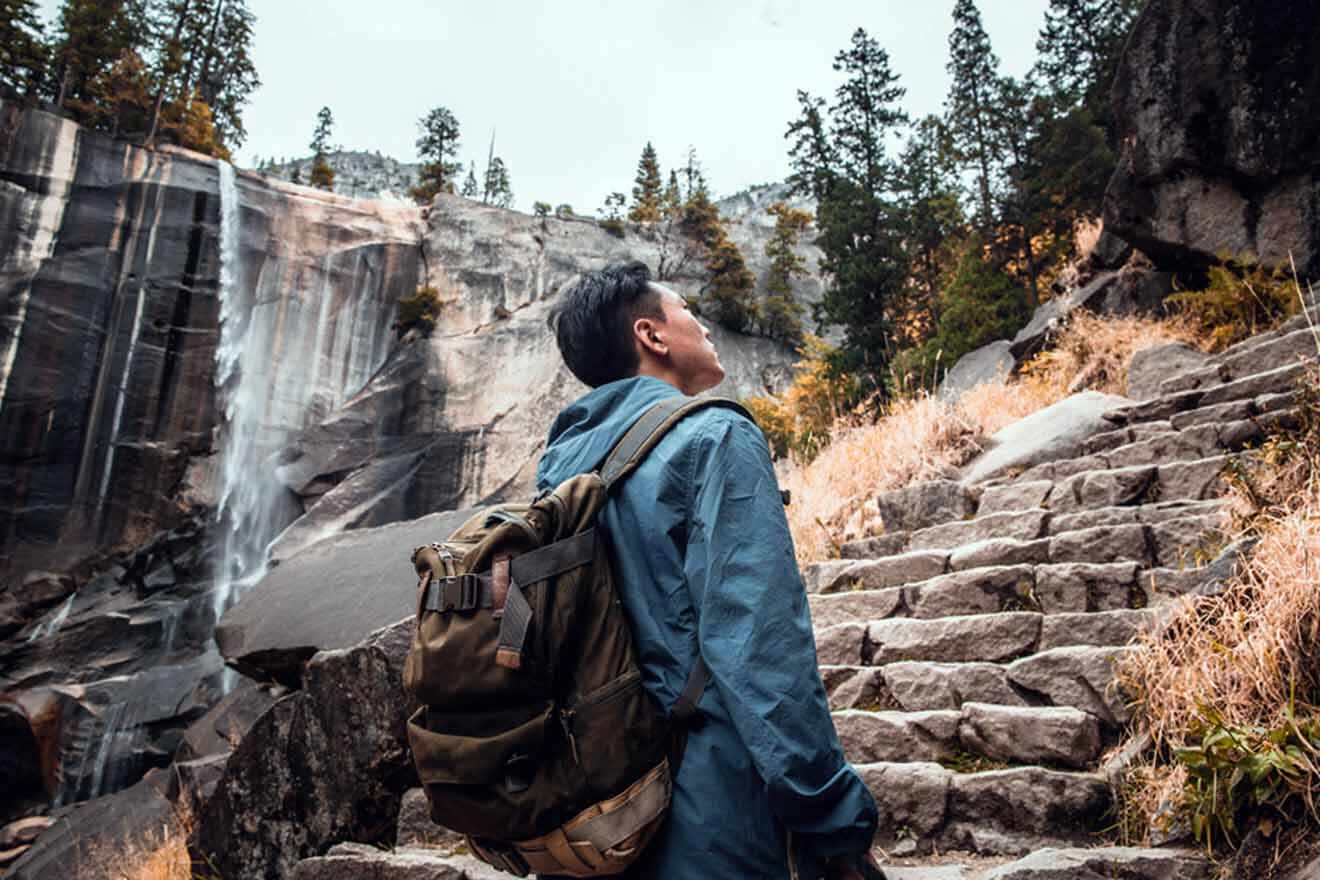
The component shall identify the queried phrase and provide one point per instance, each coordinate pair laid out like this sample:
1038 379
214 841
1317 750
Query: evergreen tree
325 127
646 189
677 250
470 189
437 146
1078 51
221 55
858 218
23 54
322 175
811 153
781 314
496 189
971 104
92 36
928 195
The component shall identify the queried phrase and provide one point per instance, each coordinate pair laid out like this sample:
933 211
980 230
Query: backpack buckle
460 592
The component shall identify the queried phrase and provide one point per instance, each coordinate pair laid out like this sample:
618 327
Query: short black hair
594 317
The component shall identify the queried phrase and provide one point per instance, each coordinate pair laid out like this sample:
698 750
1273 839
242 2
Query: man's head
616 323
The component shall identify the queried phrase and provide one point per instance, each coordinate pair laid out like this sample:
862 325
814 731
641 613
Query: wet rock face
1216 106
109 324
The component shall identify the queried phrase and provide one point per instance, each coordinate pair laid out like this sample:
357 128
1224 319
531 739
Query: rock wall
109 322
1215 102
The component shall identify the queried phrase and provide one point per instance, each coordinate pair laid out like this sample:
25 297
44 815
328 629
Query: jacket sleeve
754 633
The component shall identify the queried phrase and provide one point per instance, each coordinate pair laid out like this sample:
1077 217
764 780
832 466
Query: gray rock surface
1151 366
325 764
1101 864
355 861
924 504
1127 292
358 582
1215 107
989 363
1056 432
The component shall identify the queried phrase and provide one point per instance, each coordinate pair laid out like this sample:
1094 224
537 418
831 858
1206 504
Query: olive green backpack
535 737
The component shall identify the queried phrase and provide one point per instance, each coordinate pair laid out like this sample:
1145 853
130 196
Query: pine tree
928 195
1078 50
858 218
975 71
322 176
811 154
437 146
23 53
781 314
646 189
470 189
325 127
225 73
496 189
92 36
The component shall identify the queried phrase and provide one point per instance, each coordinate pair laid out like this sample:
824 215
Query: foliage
730 289
496 189
1228 690
980 304
470 189
646 188
325 127
322 176
974 102
420 310
781 314
800 421
1078 51
1240 300
437 145
564 210
840 158
613 210
23 52
1235 772
541 209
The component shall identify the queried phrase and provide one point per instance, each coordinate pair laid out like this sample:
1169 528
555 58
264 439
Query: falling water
50 626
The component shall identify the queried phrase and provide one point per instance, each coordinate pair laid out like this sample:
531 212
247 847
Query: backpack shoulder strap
646 432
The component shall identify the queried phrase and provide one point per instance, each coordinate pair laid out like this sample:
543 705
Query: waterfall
240 379
50 626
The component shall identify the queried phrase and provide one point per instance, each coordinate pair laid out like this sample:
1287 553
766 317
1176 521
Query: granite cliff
196 361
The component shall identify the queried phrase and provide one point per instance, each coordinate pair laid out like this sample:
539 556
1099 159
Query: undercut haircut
593 321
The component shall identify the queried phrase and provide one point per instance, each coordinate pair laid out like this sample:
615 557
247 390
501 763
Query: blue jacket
705 561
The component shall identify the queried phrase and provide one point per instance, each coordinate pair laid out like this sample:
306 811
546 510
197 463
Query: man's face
691 354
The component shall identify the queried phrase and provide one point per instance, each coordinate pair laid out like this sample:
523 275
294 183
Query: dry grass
161 855
924 438
1249 659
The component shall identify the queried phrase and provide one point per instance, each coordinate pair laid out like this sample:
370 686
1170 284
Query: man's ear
649 335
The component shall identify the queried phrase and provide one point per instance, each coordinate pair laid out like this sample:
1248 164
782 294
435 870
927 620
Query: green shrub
1241 299
614 227
420 310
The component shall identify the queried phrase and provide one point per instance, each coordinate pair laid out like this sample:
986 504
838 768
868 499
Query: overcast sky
573 90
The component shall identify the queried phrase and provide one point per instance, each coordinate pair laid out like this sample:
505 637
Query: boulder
1099 864
1056 432
326 764
358 581
989 363
1110 251
81 836
1215 106
415 828
1151 366
353 861
1127 292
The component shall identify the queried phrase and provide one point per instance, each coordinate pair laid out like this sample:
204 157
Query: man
705 564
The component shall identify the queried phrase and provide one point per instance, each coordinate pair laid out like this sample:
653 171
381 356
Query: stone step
1256 355
1280 380
360 860
1057 736
1077 863
1052 575
926 807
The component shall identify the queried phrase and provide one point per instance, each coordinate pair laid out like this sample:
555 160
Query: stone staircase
969 655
